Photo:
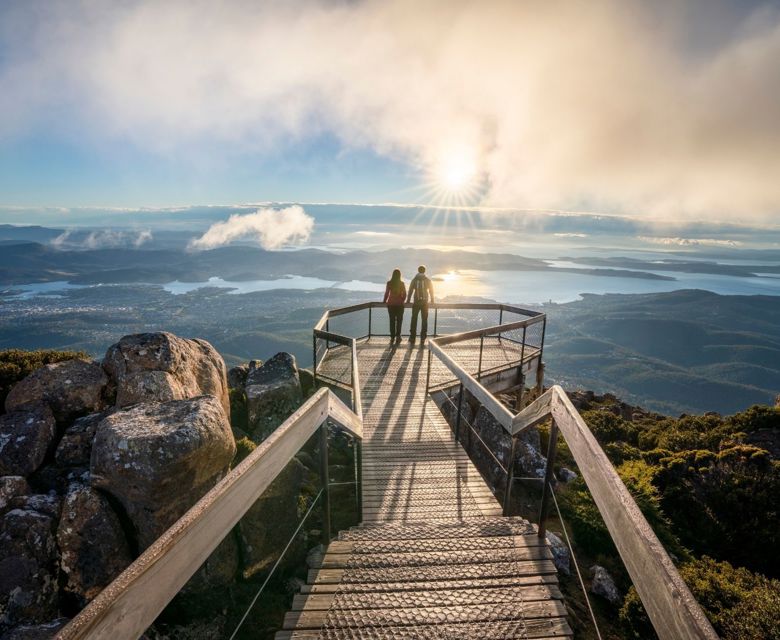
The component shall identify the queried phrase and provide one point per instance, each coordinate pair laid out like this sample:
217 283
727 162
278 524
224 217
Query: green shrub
607 427
244 446
725 503
16 364
740 604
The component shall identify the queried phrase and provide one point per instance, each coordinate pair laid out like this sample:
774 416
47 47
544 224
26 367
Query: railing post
436 322
510 476
548 477
522 349
479 366
369 321
356 454
325 480
460 408
428 376
500 320
314 366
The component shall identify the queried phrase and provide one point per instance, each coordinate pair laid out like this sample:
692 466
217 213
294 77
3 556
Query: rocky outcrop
26 434
148 367
92 545
11 487
158 459
43 631
236 376
75 446
273 392
560 552
28 564
70 388
602 584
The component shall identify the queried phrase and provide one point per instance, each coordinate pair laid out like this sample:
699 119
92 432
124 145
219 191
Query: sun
456 172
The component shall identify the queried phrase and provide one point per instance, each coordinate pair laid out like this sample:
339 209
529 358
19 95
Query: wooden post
369 322
548 478
510 476
428 376
460 408
325 480
436 322
479 366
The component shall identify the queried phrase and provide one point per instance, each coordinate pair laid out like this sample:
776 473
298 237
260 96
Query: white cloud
570 235
101 239
691 242
623 105
270 228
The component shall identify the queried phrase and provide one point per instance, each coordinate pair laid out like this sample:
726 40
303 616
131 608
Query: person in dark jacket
421 291
395 295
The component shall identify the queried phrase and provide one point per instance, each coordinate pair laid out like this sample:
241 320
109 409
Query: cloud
570 235
692 242
101 239
271 228
624 105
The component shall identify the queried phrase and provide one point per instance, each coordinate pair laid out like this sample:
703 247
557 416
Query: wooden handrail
672 609
488 331
132 602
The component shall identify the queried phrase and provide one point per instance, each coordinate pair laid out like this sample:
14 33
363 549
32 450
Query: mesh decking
433 557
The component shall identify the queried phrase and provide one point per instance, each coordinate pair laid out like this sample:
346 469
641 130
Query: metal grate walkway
433 557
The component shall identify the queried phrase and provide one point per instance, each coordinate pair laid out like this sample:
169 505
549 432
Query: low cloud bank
101 239
692 242
272 229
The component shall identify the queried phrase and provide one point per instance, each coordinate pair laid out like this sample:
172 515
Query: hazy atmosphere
316 304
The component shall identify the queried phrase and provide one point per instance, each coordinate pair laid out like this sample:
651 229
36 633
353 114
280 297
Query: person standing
421 289
395 295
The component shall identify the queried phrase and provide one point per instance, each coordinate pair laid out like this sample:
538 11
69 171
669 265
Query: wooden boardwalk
433 557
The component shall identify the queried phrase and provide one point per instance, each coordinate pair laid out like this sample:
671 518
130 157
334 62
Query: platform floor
433 557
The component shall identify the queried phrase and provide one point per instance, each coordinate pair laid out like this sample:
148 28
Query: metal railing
132 602
342 326
672 609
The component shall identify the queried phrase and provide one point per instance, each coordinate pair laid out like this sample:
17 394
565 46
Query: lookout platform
433 557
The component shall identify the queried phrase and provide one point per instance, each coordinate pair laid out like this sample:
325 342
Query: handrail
673 611
488 331
131 603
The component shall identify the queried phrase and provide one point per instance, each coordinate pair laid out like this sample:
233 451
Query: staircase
433 557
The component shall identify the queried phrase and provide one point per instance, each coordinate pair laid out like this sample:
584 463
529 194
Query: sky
659 111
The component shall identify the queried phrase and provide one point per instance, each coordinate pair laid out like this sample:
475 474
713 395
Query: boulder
560 552
158 459
11 487
75 446
566 475
92 545
267 526
236 376
161 367
25 437
273 392
28 568
219 570
602 584
70 388
43 631
497 447
308 385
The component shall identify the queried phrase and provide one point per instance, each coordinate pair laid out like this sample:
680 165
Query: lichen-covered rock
75 446
566 475
71 388
602 584
11 487
161 367
25 437
93 547
273 392
270 522
560 552
42 631
308 386
28 567
158 459
219 570
236 376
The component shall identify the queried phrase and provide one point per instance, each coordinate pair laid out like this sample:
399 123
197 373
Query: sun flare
456 172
